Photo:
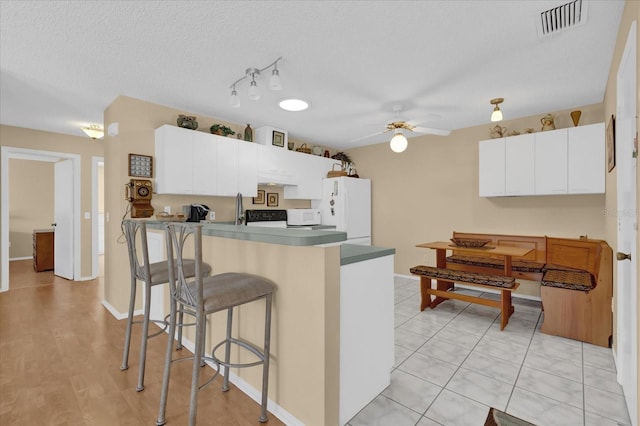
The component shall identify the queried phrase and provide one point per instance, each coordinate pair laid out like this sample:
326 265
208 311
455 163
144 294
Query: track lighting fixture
252 74
496 115
398 142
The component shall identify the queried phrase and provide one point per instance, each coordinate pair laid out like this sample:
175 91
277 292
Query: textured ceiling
64 62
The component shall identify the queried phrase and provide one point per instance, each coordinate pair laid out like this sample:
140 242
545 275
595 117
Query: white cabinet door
586 166
275 165
247 169
519 157
203 164
310 170
227 166
491 179
174 155
551 162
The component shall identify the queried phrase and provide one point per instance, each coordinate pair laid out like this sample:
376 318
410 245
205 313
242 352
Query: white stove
266 218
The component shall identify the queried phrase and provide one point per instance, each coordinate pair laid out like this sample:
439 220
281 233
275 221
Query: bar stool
204 296
151 274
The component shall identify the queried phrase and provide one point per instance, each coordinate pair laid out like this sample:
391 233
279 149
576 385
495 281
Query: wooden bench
577 289
446 278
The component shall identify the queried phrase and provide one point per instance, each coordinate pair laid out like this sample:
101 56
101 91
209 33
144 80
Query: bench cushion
461 276
492 262
568 279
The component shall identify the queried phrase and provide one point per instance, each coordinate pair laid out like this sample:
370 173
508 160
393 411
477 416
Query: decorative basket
304 148
336 173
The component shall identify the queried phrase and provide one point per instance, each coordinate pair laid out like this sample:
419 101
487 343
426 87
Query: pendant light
496 115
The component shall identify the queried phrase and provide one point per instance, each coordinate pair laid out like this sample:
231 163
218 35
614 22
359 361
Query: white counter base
366 333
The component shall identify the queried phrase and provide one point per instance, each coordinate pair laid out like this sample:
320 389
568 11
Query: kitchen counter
352 253
333 309
284 236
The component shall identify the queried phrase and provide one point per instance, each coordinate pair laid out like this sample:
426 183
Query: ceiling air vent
561 18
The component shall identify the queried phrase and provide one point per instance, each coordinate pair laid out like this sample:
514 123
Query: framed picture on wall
140 165
272 199
260 198
611 144
278 138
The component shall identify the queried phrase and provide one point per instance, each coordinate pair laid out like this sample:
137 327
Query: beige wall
431 190
137 121
46 141
631 13
30 203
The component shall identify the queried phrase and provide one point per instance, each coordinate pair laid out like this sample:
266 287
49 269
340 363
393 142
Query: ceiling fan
399 142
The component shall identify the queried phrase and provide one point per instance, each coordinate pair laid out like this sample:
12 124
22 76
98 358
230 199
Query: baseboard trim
117 315
21 258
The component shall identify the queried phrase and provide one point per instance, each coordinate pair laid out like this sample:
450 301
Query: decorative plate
317 150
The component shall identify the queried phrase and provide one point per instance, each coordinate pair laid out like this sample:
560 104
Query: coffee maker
196 212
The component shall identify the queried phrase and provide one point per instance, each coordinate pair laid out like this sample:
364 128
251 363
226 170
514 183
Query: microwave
303 217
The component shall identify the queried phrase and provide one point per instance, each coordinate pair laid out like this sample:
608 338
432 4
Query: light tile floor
452 363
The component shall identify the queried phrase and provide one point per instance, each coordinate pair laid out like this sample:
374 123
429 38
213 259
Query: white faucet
239 210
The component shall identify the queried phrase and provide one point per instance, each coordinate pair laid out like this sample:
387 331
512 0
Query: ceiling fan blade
431 131
367 137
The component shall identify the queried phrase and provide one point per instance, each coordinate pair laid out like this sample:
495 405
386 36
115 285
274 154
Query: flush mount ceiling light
398 142
93 131
293 104
252 74
496 115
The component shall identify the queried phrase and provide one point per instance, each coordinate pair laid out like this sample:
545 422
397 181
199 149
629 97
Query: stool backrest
138 262
177 235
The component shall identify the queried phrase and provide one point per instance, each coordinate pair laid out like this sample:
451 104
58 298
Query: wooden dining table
507 252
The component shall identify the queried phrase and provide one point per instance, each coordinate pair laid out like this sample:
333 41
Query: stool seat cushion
160 271
230 289
570 280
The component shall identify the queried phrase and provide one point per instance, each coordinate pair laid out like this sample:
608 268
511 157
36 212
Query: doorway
74 209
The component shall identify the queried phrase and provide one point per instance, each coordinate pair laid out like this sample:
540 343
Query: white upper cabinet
198 163
310 169
519 165
586 166
491 179
564 161
551 162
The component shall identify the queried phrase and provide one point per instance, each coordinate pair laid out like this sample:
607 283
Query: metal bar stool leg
197 360
167 366
265 364
145 337
227 351
127 336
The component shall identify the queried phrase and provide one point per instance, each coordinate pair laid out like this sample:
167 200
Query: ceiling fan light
253 92
398 142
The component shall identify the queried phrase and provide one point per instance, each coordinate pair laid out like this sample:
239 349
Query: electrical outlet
167 209
212 215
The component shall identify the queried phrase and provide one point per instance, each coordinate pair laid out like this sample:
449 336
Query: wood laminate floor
60 356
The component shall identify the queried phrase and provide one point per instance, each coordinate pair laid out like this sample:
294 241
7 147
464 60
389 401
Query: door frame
8 152
95 194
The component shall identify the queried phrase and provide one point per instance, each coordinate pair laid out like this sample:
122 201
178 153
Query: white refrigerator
346 204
